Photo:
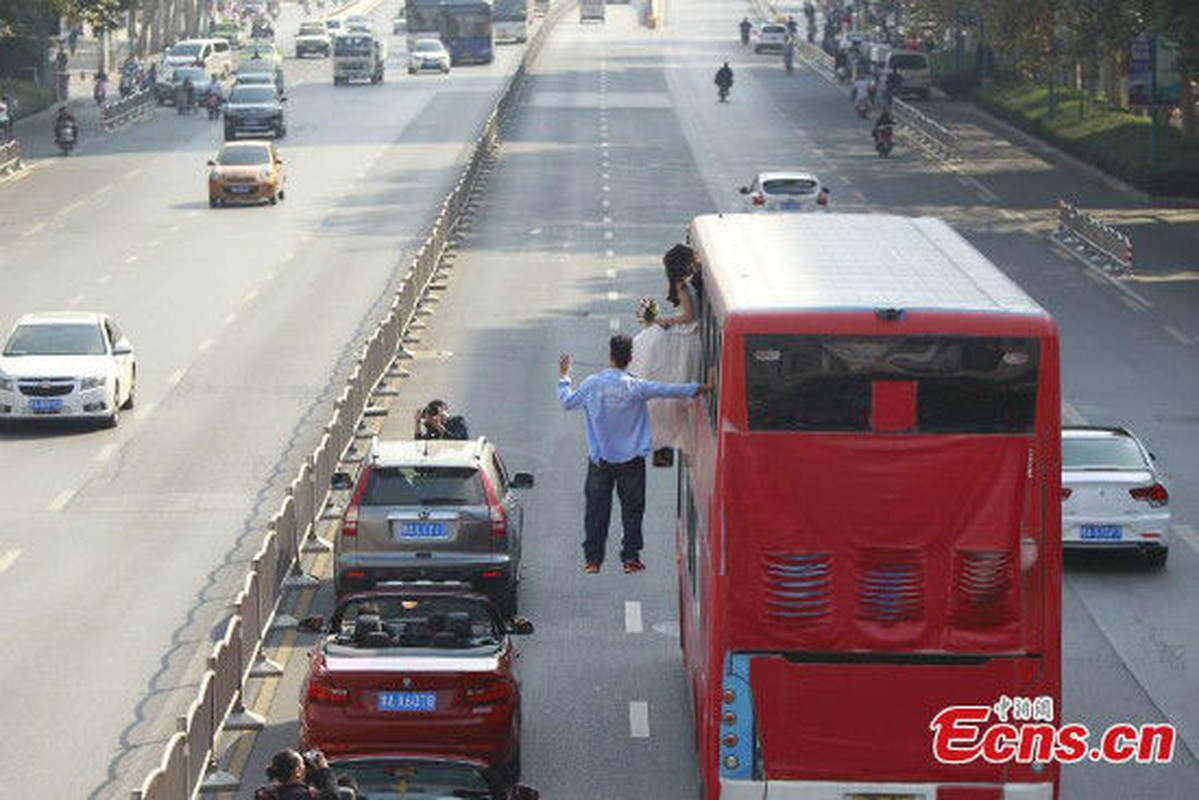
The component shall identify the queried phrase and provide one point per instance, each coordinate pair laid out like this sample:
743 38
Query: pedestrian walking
618 440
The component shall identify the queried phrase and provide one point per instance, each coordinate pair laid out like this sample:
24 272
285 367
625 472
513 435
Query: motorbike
723 92
65 134
884 140
212 103
100 92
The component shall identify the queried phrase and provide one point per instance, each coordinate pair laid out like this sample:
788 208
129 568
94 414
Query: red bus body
838 588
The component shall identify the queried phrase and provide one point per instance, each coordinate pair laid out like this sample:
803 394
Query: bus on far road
423 20
591 10
510 20
466 31
869 513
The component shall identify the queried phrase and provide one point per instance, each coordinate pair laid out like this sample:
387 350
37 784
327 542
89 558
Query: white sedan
785 191
1113 497
76 365
428 54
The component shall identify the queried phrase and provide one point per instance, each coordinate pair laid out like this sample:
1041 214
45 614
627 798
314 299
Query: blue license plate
45 405
790 205
1110 533
407 702
424 530
240 189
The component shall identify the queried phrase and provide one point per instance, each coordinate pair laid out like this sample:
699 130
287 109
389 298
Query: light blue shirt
614 404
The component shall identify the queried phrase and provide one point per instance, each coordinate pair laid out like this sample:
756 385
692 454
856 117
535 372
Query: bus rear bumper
837 790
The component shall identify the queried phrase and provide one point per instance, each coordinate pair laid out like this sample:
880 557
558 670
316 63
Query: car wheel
230 134
114 419
274 198
411 71
507 600
512 768
281 195
213 202
132 398
1156 558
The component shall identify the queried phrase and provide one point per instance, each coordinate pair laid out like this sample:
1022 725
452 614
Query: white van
214 55
914 67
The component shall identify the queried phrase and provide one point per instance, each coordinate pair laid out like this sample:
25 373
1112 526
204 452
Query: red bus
869 522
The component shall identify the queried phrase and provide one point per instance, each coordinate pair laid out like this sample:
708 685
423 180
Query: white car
312 38
785 191
771 38
72 364
428 54
1113 497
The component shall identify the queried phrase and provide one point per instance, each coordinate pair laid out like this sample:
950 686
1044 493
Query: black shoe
663 457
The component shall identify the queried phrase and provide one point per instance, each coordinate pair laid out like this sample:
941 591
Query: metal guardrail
928 134
1087 232
133 108
189 763
10 156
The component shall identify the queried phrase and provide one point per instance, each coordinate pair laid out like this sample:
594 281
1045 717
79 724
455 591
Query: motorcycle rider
724 80
883 126
745 28
861 89
185 96
100 88
65 126
213 96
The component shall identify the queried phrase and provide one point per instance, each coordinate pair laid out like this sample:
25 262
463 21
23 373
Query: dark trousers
629 480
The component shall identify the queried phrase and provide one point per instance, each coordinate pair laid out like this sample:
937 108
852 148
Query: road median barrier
191 764
1093 238
133 108
10 156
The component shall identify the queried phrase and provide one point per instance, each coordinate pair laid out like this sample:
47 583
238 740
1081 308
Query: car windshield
774 29
389 621
66 339
243 156
352 46
312 29
909 61
427 46
423 486
195 74
413 780
255 79
1106 453
789 186
252 94
188 50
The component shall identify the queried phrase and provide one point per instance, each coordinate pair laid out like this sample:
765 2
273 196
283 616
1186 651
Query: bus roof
776 262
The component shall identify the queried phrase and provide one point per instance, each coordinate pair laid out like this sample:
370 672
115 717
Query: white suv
214 55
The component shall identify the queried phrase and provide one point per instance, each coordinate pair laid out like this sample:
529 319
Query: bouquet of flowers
647 311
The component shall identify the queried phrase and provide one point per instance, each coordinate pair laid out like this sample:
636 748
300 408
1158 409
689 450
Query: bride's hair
679 261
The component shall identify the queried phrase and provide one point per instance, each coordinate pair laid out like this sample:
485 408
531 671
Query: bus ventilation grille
798 587
982 582
889 585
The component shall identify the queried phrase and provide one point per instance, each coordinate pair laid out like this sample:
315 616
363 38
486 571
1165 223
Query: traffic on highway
325 373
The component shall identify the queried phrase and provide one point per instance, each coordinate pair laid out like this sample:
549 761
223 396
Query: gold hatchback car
248 171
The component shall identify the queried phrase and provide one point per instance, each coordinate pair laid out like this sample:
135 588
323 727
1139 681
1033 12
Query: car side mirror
1152 456
313 624
210 163
522 792
122 348
522 480
744 190
341 481
283 98
279 161
520 626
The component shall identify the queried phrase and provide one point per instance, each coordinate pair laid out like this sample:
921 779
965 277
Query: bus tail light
1155 495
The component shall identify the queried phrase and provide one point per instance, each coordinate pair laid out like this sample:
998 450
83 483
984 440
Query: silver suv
432 510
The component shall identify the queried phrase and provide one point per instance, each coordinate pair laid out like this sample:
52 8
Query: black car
255 110
426 776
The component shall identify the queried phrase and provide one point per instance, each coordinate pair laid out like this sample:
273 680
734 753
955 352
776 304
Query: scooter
723 92
65 134
884 141
212 103
862 106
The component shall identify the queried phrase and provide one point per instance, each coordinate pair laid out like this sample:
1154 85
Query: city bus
868 508
466 30
423 20
511 20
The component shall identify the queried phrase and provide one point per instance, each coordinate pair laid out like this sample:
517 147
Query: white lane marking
610 274
1188 535
608 234
176 376
250 295
103 190
192 213
607 188
607 220
229 318
76 300
614 323
204 345
154 243
632 617
8 558
34 229
609 253
639 719
606 203
133 172
1071 415
613 296
104 279
60 502
1131 304
143 410
1177 334
69 207
175 228
131 259
606 176
107 452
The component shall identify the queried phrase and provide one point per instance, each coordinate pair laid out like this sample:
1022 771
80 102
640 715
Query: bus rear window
826 383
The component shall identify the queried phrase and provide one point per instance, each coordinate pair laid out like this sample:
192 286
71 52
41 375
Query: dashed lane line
613 296
1178 335
33 230
8 558
614 323
250 295
632 617
104 278
76 300
639 719
1071 415
131 259
107 452
103 190
176 376
204 345
230 317
1188 535
610 274
61 500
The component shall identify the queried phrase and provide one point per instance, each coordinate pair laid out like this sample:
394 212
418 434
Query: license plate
790 205
240 189
405 702
45 405
873 796
424 530
1110 533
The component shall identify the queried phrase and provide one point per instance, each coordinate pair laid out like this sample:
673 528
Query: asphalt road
619 143
121 549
